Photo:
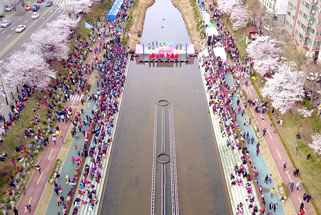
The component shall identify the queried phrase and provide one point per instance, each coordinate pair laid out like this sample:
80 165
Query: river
201 184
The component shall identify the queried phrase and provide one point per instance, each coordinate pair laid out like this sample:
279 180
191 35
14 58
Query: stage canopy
220 52
210 31
114 10
206 18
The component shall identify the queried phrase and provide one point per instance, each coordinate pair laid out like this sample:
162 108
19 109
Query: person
298 185
62 200
56 190
301 206
272 191
58 201
284 166
29 208
15 211
304 196
291 184
308 198
38 168
308 156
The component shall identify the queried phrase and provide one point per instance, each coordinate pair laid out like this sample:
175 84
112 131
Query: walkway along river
201 186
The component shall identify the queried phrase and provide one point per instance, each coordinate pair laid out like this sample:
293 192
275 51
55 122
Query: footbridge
164 193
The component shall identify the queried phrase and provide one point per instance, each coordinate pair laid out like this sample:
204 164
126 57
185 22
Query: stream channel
201 186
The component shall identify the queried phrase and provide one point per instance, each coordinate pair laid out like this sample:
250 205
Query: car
40 1
35 7
5 23
20 28
48 3
34 15
27 7
8 7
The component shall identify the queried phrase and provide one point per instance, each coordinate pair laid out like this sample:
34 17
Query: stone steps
228 157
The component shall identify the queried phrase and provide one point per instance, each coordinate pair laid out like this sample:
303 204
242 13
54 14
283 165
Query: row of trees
284 87
237 13
30 65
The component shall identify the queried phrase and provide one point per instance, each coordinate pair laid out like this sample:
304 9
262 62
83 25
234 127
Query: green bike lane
68 167
257 160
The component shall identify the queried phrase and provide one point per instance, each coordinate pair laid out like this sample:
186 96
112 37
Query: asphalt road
10 41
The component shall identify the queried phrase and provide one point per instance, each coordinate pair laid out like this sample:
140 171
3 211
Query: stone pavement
278 153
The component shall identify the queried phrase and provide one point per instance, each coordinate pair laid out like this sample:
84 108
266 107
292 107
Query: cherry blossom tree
238 15
76 7
316 143
27 67
53 40
285 88
264 54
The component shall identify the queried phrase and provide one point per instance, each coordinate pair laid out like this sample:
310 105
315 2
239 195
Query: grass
310 171
15 137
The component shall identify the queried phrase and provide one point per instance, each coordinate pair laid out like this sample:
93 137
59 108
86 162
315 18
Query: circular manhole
163 158
163 102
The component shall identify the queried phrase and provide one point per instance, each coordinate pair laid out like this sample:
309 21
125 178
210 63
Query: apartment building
303 23
277 8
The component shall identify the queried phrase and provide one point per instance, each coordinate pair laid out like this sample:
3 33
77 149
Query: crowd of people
224 103
97 127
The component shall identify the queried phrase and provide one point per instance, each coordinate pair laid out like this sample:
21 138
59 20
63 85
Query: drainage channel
164 193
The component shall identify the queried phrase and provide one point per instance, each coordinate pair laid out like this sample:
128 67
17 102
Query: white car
5 23
20 28
34 15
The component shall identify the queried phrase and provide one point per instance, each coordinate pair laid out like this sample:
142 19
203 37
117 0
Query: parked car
27 7
34 15
35 7
20 28
5 23
8 7
48 3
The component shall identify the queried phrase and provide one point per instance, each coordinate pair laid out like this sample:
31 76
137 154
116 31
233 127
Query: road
10 41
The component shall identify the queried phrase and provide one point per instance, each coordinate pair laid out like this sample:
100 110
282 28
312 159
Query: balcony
314 2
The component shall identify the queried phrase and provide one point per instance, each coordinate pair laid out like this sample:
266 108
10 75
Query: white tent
210 31
206 18
220 52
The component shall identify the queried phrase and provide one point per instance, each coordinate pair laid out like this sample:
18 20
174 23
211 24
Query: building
277 8
303 23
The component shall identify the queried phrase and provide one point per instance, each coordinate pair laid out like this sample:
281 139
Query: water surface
201 186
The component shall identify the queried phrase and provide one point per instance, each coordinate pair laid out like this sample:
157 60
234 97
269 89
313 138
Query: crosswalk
76 97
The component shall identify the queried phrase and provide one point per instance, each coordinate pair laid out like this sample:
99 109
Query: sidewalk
38 181
257 160
278 153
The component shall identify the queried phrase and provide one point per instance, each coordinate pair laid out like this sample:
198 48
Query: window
305 15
